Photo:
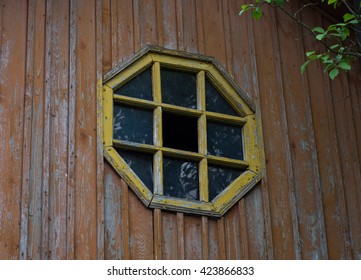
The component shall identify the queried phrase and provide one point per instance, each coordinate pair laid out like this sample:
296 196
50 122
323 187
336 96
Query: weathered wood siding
58 197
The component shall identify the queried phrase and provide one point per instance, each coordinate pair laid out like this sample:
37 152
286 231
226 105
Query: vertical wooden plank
168 23
99 144
243 236
58 80
193 237
205 238
125 220
213 240
355 93
25 188
46 137
190 32
335 213
12 94
85 132
241 41
221 239
122 30
350 166
180 236
169 236
352 91
279 173
106 31
140 235
71 135
113 215
147 23
242 66
232 232
157 218
301 134
256 225
212 23
35 88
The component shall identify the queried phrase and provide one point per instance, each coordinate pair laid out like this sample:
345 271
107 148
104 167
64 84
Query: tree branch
328 47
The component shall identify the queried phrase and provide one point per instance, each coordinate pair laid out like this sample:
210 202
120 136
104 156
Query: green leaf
344 65
245 8
320 37
310 53
257 13
354 21
333 74
347 17
334 2
268 1
304 66
318 29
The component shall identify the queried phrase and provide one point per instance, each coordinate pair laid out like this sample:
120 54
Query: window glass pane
180 179
180 132
215 101
140 86
224 140
133 124
141 164
220 178
179 88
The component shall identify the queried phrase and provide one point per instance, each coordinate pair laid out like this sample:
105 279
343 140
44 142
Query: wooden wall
60 200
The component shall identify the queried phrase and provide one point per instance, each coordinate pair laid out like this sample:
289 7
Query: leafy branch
339 39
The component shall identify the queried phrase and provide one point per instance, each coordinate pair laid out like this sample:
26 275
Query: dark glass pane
140 86
141 164
220 178
133 124
180 179
224 140
179 88
215 101
180 132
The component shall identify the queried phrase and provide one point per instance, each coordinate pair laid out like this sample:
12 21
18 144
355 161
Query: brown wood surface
59 198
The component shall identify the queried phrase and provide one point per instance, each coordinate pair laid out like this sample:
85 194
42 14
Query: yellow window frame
204 66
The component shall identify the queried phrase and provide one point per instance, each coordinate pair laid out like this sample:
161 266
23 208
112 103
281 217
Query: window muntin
206 171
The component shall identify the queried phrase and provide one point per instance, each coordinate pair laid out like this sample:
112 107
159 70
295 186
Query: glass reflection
215 101
224 140
141 164
134 125
139 87
179 88
220 178
180 179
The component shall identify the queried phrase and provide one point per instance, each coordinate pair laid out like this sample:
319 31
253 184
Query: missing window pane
180 132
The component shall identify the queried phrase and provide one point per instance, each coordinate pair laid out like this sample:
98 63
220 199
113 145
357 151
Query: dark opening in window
180 132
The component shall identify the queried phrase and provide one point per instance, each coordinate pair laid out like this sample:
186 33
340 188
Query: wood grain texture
302 141
336 222
12 100
59 198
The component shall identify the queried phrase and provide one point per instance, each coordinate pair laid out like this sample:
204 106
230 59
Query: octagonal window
180 132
